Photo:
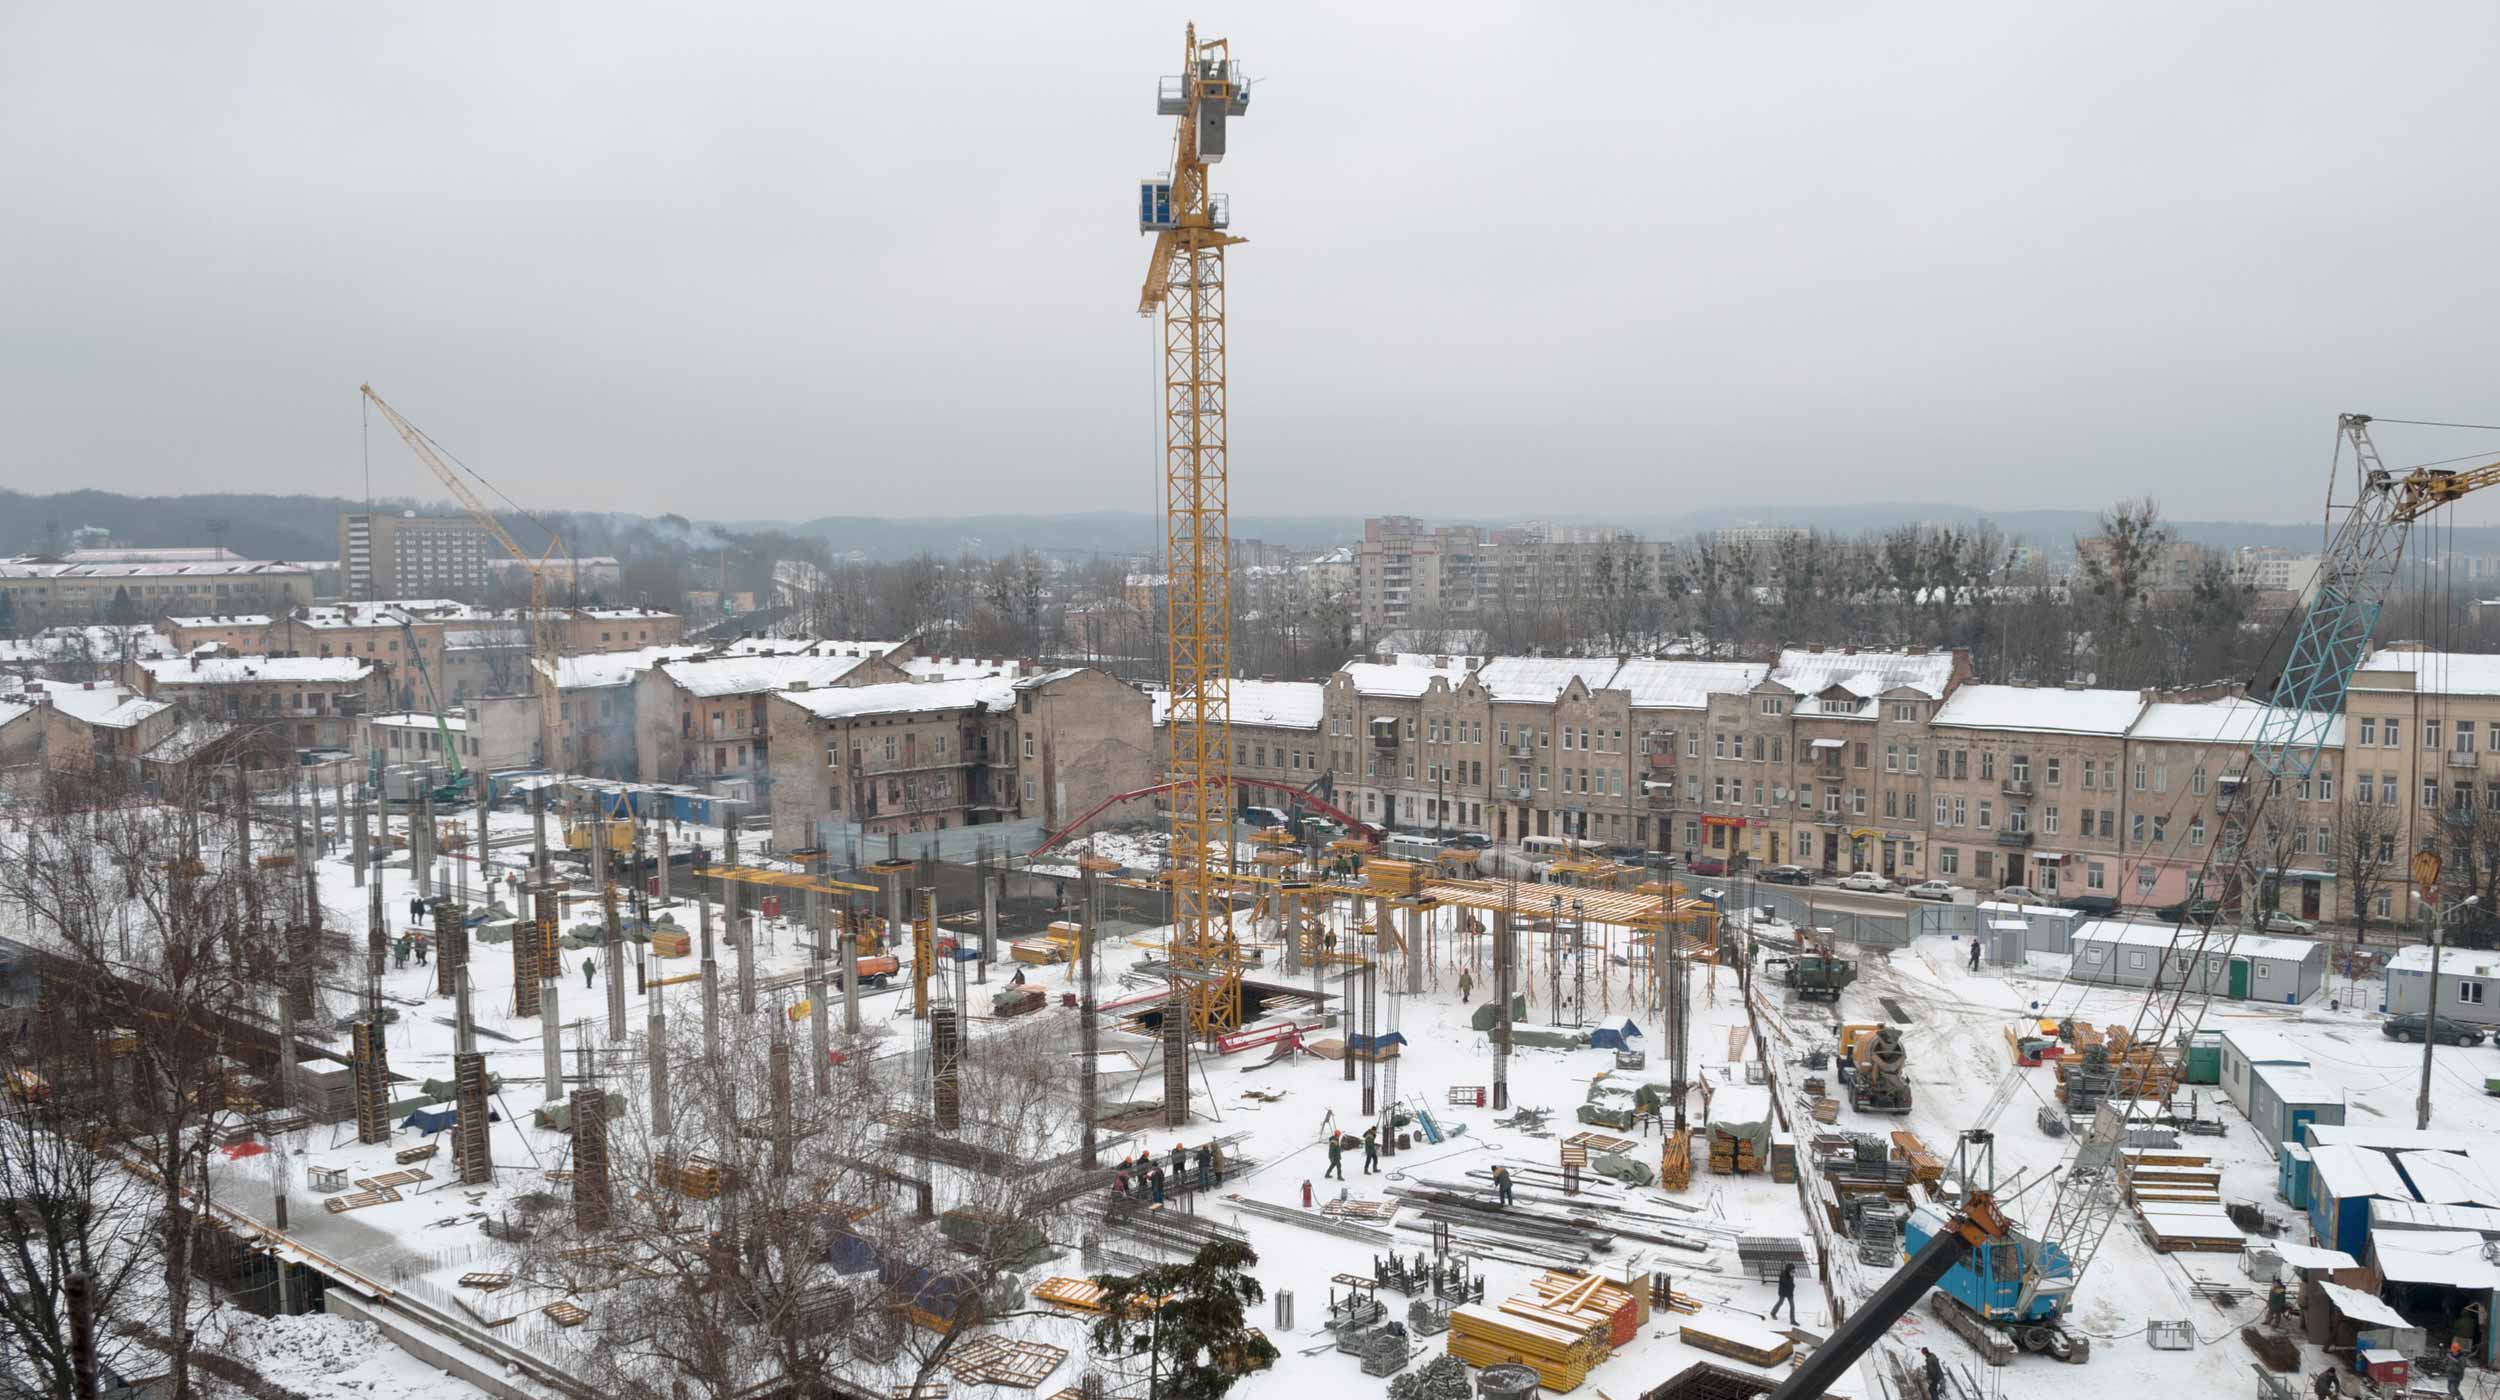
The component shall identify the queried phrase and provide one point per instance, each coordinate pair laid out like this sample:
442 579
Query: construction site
565 1095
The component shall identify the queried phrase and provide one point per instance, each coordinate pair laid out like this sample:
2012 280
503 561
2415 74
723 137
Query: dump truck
1818 976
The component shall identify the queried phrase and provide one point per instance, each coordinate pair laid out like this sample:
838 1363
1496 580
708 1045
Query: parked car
1931 889
1471 841
1708 865
1786 875
1623 851
2190 911
1263 816
2408 1028
1866 882
2097 905
2018 894
2276 921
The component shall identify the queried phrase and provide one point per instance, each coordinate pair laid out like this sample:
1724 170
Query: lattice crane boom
546 638
2354 579
1185 281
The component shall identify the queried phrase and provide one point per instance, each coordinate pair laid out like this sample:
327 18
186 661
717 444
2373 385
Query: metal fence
1799 906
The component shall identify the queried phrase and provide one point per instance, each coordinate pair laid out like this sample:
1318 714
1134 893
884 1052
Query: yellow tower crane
1185 281
546 635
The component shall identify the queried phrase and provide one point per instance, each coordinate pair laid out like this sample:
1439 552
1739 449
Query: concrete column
551 1037
664 896
711 985
820 1015
538 832
655 1049
362 850
989 921
1415 934
846 966
421 844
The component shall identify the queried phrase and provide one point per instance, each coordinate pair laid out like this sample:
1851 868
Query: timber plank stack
1560 1351
669 943
1619 1309
1738 1338
1925 1166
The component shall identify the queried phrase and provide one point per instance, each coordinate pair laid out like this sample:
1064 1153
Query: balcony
1384 738
2018 840
1519 751
2017 787
2463 758
1658 798
1662 763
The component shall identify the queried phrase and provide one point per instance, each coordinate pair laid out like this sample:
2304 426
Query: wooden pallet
409 1156
917 1390
1600 1142
388 1180
1005 1361
486 1282
1075 1294
360 1199
564 1314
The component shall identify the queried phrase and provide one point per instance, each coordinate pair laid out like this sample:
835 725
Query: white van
1409 847
1545 850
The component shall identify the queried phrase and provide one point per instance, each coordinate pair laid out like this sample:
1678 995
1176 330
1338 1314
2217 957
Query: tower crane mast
546 637
1185 282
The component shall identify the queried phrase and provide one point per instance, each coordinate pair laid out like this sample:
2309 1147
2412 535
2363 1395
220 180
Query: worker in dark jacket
1788 1290
1371 1149
2278 1304
2325 1386
1933 1369
1336 1157
1501 1184
1206 1167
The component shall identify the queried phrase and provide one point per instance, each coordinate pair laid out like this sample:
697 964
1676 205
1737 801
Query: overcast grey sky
744 261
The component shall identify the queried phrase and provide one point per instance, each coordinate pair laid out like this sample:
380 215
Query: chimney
1815 650
1848 651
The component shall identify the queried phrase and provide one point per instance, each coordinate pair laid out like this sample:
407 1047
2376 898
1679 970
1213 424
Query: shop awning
2050 857
1828 744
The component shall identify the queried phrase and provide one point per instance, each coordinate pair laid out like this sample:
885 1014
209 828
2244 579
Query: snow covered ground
331 1358
1958 1066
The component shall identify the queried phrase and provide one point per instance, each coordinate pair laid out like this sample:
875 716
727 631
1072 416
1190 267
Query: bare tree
2365 858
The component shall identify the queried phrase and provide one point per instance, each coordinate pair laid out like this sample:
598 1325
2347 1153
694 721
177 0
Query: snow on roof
1674 684
1273 704
2361 1308
2453 962
2295 1084
905 697
1865 674
2028 912
595 670
2347 1173
11 712
103 704
2434 672
224 620
2415 1215
2236 721
2390 1138
2308 1256
2194 940
710 677
32 568
2448 1258
956 668
2263 1045
626 614
1404 680
189 737
2447 1179
1540 679
2040 709
257 670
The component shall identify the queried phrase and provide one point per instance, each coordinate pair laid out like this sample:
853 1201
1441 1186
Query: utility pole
2430 1010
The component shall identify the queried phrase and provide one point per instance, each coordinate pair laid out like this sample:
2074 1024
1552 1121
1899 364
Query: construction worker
1206 1167
590 969
1501 1185
2456 1367
1788 1290
1933 1370
399 951
1974 952
1180 1165
2326 1387
1371 1149
1119 1182
1154 1183
416 944
2278 1304
1336 1158
1466 985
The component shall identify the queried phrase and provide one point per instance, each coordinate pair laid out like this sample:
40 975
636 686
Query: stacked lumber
1560 1353
1733 1155
699 1178
1924 1165
1037 952
670 943
1675 1162
1072 1294
1593 1299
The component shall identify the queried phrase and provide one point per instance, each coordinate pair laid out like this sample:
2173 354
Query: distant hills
305 528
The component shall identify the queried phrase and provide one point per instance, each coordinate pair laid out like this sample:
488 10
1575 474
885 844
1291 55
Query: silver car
1931 889
1866 882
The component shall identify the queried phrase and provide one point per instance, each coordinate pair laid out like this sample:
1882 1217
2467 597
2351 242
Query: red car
1708 865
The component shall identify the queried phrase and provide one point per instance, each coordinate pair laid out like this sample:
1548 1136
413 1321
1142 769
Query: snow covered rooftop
715 676
2447 1179
2264 1045
2193 940
1865 674
2040 709
224 620
102 704
2433 672
2347 1172
1272 704
2447 1258
229 568
188 738
2453 962
594 670
414 720
1540 679
2235 721
905 697
1401 681
258 670
1673 684
957 668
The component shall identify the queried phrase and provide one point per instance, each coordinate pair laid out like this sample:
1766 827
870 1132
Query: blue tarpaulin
431 1122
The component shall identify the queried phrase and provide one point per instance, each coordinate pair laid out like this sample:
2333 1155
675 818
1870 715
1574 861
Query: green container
2204 1058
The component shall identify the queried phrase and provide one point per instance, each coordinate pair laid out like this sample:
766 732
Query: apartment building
596 694
406 638
302 701
402 554
2421 745
1407 574
492 735
2024 786
907 756
1791 770
44 592
2192 822
87 726
1276 728
704 720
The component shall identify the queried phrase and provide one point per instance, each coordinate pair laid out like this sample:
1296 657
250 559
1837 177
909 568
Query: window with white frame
2048 820
2135 959
1949 860
2369 731
2144 877
2052 771
2095 875
2470 993
2430 734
